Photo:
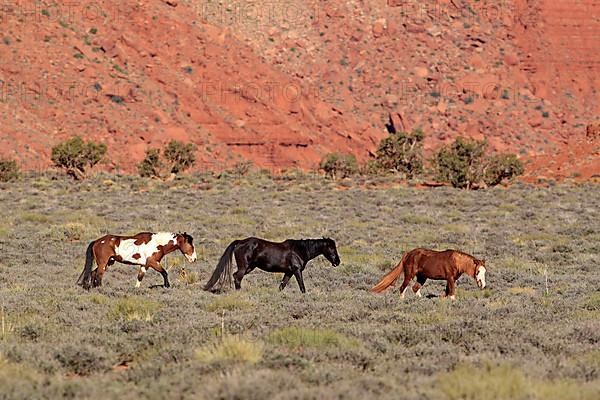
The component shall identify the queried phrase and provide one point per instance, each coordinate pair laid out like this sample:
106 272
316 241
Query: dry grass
299 337
134 309
336 341
230 302
505 382
231 349
7 327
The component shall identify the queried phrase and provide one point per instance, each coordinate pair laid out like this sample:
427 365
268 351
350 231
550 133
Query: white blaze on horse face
191 258
127 248
480 278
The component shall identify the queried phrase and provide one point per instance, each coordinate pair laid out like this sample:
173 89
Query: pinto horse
426 264
144 249
289 257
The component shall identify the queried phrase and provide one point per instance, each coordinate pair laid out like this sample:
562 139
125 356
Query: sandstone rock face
592 131
282 88
379 27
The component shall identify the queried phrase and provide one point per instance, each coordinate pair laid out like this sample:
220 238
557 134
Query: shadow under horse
289 257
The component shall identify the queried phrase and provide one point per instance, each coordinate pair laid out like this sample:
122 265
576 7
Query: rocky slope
282 83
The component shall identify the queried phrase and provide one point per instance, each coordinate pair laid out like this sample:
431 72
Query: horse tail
85 279
223 271
391 277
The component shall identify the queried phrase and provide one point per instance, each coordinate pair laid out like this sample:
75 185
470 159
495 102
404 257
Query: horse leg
140 276
158 268
237 278
243 268
451 288
409 274
417 286
97 275
300 280
102 261
285 280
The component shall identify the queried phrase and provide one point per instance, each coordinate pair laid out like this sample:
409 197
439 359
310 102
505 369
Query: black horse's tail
223 272
85 279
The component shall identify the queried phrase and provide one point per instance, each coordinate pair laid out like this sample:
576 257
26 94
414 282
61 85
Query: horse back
438 264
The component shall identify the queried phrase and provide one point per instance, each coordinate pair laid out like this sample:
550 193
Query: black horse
289 257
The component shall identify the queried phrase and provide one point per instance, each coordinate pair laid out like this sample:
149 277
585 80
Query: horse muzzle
191 258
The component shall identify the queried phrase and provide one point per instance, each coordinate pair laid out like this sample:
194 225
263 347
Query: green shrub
460 163
70 231
180 156
231 349
402 152
592 302
502 166
463 165
242 168
372 167
9 170
151 165
134 309
229 303
468 382
505 382
75 156
338 165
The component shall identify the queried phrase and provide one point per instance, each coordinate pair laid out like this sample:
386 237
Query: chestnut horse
289 257
144 249
426 264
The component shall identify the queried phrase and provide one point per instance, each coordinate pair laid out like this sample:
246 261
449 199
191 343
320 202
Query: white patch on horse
127 248
102 241
404 291
418 293
191 258
453 297
139 281
480 278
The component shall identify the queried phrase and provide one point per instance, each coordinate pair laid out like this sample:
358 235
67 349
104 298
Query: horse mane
310 247
470 257
466 254
188 238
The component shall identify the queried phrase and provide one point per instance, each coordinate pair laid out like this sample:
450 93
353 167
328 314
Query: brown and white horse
144 249
425 264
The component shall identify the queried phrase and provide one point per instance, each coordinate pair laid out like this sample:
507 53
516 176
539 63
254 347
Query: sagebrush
76 156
